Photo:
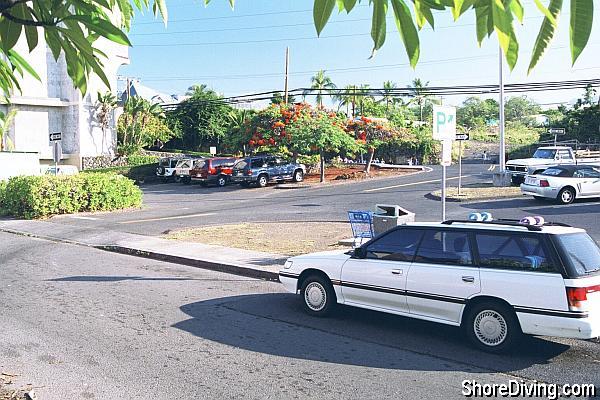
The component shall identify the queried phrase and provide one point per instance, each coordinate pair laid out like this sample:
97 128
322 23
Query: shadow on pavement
275 324
98 278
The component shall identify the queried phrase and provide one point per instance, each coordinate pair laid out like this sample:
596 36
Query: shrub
138 159
2 194
42 196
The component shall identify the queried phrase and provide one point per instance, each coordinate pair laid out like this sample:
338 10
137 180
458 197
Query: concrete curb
432 196
213 266
191 262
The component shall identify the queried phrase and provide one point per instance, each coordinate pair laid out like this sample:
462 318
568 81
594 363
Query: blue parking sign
361 223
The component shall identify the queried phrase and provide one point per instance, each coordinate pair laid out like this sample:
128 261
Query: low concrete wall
18 163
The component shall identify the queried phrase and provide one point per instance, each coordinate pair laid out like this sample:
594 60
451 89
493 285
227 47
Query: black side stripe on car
447 299
552 313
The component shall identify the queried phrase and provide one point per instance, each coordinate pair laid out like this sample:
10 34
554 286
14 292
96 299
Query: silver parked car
564 183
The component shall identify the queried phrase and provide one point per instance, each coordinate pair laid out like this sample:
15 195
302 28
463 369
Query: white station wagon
497 279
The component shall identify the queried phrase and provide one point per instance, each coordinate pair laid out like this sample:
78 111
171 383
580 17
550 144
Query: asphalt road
79 323
174 206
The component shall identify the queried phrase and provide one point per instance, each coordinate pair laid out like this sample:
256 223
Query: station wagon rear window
510 251
579 252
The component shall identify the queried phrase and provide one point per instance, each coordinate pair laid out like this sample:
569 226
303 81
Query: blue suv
262 169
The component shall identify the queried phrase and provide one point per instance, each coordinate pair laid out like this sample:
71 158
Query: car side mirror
360 252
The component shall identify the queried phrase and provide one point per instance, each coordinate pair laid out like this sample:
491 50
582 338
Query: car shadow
276 324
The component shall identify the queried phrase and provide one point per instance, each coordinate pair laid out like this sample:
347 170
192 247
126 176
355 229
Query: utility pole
287 65
128 88
501 159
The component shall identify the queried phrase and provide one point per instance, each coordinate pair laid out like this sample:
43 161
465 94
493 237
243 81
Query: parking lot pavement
81 323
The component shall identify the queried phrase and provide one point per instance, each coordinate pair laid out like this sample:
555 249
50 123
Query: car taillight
578 297
249 172
544 183
212 171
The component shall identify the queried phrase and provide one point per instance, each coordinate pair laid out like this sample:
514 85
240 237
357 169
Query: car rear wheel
298 176
318 296
177 178
566 196
262 181
492 327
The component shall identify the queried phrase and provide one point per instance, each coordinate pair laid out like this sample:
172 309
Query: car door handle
397 271
469 279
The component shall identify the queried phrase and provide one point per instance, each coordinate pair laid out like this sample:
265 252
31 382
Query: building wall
54 105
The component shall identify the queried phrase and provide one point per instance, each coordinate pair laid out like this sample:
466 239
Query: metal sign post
556 132
55 140
444 129
460 137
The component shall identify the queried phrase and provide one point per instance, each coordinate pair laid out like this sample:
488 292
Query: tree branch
26 22
7 4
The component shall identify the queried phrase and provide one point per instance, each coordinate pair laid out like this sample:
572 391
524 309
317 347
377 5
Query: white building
53 104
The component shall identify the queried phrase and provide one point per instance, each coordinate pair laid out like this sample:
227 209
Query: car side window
578 174
397 245
590 173
271 161
445 247
513 251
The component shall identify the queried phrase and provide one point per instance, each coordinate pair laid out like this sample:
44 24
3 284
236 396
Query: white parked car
166 168
61 170
564 183
495 279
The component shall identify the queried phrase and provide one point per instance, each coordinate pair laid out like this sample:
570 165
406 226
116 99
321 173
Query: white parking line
412 184
166 218
491 168
81 217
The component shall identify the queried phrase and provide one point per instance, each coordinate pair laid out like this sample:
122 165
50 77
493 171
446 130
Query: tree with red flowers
370 134
315 131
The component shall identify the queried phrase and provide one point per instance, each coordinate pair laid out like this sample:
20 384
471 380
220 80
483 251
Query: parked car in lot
261 170
496 279
183 168
213 171
548 156
166 168
564 183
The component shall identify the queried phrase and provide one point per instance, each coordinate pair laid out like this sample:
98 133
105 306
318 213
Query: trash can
388 216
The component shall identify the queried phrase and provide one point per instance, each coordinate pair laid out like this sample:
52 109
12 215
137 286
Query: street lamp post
501 159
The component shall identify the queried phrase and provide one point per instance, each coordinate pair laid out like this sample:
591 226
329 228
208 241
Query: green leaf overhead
322 10
546 32
407 29
378 26
582 16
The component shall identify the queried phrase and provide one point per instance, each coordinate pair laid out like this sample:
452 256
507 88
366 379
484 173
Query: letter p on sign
444 123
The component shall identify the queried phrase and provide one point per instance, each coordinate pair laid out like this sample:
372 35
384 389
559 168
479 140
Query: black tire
492 327
318 296
262 181
177 178
222 181
298 176
187 180
566 196
517 180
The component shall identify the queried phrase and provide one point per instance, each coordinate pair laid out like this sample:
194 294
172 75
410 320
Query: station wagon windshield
544 153
580 252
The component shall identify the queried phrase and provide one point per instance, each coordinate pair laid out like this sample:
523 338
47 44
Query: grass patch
479 192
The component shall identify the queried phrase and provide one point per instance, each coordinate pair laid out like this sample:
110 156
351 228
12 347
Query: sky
243 50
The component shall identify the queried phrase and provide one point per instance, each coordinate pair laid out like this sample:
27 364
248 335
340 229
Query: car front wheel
492 327
318 296
262 181
221 181
298 176
566 196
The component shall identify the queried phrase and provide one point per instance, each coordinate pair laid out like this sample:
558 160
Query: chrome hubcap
315 296
490 328
298 176
221 182
567 196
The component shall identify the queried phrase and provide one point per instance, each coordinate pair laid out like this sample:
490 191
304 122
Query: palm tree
322 84
105 105
5 122
387 94
419 95
361 95
346 98
137 112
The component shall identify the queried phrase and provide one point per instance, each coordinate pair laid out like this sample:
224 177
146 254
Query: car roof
498 226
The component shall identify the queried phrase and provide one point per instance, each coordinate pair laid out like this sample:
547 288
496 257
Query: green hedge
137 159
42 196
2 192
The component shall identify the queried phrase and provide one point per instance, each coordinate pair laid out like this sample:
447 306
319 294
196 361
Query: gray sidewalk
236 261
